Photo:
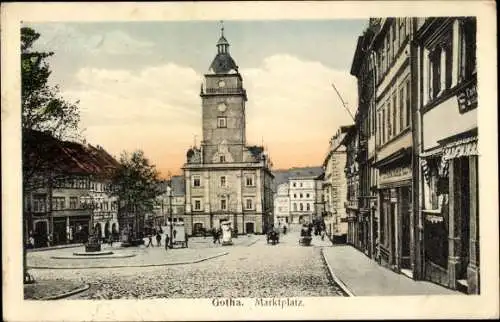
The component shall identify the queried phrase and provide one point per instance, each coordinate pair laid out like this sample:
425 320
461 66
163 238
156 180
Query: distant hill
282 175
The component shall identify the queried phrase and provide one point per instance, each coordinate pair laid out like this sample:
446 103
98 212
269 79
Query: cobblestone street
252 269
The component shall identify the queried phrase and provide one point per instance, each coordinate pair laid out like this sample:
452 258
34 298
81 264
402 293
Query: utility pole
170 210
344 104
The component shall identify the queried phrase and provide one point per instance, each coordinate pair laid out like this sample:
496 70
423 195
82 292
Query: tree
136 183
45 116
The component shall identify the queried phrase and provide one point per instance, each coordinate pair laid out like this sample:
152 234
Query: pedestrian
158 238
284 229
150 242
167 239
219 234
322 235
214 234
31 242
110 240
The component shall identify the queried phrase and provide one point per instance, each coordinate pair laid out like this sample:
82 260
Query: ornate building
226 180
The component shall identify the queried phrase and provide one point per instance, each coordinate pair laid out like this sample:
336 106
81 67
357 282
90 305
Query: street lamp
171 245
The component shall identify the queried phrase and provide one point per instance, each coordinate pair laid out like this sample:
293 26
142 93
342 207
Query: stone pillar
425 77
453 227
473 280
240 180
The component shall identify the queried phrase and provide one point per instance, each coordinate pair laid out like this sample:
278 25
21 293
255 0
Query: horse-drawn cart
273 236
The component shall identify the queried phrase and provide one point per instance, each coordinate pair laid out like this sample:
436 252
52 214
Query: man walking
158 238
150 240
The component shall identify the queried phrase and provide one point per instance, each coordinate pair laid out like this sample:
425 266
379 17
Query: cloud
156 109
292 107
61 37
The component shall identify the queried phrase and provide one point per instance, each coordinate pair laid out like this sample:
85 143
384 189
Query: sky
138 83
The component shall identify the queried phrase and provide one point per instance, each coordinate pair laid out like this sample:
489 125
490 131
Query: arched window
301 206
294 207
308 207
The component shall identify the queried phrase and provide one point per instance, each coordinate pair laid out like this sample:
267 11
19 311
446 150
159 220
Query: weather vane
222 27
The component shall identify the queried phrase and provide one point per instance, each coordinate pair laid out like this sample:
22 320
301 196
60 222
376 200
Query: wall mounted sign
467 98
395 174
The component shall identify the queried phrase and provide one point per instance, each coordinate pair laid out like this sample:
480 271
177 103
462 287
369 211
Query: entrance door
198 229
393 246
249 228
59 231
40 234
405 227
464 215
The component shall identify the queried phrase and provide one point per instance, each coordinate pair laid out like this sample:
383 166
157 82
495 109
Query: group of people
216 234
157 234
307 229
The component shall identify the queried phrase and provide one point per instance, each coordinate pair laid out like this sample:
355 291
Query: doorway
463 188
249 227
405 258
40 234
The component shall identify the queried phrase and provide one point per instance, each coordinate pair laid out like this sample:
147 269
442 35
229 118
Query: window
249 181
402 107
301 195
301 207
197 205
307 195
435 72
196 181
223 205
58 203
382 129
408 106
73 202
301 184
295 195
223 181
378 134
389 128
248 204
221 122
294 207
467 47
308 207
39 203
394 114
294 184
222 158
402 30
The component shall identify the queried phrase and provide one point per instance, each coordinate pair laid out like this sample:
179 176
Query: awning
460 148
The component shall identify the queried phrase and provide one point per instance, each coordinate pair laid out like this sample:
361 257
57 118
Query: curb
126 266
66 294
88 257
44 249
256 240
337 280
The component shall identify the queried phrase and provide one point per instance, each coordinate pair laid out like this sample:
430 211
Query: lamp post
171 245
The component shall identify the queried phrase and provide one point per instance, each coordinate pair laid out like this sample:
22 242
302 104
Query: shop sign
467 98
395 174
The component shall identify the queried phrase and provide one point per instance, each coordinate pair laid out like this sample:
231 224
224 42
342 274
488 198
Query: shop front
451 213
395 237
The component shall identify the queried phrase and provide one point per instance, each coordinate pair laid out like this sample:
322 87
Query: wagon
273 236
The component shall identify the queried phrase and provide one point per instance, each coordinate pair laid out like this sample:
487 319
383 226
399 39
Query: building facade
226 180
282 204
73 198
302 193
335 188
448 180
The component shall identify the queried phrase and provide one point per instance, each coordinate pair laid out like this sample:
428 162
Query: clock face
222 107
221 83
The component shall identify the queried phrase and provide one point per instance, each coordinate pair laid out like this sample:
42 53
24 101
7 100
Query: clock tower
223 109
226 181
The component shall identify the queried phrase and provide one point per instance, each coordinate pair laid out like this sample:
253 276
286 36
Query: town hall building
226 180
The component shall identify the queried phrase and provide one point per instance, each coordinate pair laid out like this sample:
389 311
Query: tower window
222 158
196 181
221 122
223 181
249 204
249 181
223 205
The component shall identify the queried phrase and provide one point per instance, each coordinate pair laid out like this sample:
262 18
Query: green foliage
43 108
136 183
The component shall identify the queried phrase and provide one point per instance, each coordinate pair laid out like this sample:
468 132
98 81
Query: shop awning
460 148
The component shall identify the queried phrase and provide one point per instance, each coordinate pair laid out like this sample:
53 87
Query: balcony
225 91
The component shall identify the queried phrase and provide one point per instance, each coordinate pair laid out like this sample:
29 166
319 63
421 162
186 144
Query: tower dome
223 63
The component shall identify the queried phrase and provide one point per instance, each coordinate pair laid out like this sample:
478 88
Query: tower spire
222 28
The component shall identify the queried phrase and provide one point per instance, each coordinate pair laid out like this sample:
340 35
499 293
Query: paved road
256 270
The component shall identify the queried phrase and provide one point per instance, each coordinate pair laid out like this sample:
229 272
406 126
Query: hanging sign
467 98
395 174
